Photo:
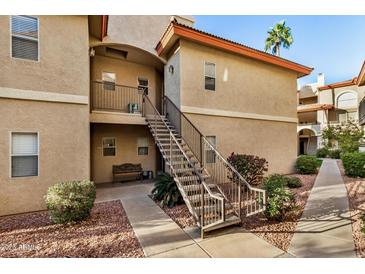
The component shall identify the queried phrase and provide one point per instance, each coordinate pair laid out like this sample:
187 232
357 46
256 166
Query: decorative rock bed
107 233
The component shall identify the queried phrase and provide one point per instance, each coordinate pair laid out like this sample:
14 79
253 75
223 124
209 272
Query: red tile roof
199 36
341 84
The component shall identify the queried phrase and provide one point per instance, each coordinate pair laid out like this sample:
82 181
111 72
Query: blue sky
334 45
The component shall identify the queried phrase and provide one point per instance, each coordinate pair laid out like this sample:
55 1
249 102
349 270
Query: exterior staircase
214 192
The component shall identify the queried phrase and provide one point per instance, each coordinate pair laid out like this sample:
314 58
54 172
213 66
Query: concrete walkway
160 236
325 227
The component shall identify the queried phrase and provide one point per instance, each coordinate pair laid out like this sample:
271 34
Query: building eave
176 31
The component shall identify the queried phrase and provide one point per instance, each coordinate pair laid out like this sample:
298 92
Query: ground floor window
210 153
142 146
109 146
24 154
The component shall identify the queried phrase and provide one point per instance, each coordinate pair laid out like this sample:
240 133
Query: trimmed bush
70 201
251 167
335 153
165 191
293 182
322 152
306 164
353 163
280 200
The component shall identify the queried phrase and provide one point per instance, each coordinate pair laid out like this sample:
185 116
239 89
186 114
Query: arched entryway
307 142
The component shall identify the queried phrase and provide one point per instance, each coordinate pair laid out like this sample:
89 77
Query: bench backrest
127 167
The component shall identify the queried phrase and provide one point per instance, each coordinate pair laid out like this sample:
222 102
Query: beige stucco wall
275 141
62 71
126 149
242 84
64 60
63 150
247 87
127 74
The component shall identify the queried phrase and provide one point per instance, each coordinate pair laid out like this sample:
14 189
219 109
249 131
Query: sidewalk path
160 236
325 229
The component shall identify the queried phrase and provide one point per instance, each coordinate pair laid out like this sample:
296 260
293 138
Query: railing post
201 150
202 206
239 198
170 155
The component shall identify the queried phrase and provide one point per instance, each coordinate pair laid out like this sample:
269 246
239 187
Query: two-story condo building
80 94
320 105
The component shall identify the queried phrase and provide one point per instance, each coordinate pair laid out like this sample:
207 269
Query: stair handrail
201 180
233 168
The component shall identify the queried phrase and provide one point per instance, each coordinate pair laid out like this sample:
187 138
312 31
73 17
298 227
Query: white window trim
11 154
145 79
102 146
29 38
215 76
148 147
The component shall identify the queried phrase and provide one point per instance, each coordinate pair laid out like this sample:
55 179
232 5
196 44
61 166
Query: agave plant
165 191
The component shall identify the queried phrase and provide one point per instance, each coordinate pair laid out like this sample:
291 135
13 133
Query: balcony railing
106 96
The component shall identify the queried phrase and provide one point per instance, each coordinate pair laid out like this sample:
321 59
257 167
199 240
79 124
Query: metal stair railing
212 210
230 182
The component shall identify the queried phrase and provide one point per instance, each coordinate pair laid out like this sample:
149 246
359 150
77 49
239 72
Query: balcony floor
114 117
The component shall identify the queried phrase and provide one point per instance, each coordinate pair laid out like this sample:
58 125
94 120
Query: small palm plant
279 35
165 191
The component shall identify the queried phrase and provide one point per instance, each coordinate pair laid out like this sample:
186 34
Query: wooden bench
127 170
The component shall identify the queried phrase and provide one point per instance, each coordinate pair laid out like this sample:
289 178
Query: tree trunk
277 49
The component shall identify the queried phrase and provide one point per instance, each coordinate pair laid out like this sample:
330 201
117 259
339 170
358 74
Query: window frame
107 82
215 76
115 146
11 154
143 79
207 151
23 37
143 147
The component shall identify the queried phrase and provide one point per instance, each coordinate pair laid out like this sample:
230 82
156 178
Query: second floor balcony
112 103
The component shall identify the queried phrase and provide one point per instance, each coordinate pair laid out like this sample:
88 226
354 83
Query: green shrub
280 200
353 163
293 182
70 201
165 191
251 167
306 164
273 182
335 153
322 152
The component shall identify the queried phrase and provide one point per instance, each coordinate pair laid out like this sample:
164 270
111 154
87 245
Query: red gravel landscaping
356 193
181 215
107 233
277 233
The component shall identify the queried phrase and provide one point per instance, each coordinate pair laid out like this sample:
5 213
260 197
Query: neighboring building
73 103
320 105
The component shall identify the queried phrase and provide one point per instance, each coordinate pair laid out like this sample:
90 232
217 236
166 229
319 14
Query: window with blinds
209 76
210 154
109 146
24 37
143 85
24 154
142 146
108 80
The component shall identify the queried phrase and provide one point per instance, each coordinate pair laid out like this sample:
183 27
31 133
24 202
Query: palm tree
279 35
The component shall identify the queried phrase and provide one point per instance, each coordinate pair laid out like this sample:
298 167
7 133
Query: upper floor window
108 80
143 85
347 100
24 37
209 76
24 154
